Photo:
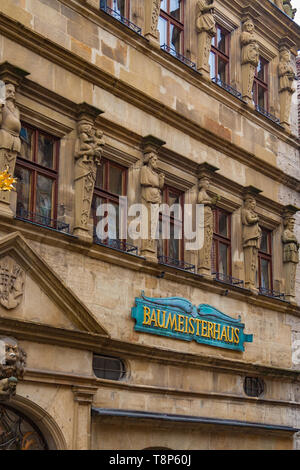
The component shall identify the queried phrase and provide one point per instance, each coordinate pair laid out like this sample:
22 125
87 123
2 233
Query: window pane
27 143
23 186
119 6
223 258
222 70
115 180
109 220
108 367
175 38
223 224
260 71
265 273
174 251
214 257
100 178
164 5
212 64
162 28
44 198
261 100
175 9
264 242
221 41
45 155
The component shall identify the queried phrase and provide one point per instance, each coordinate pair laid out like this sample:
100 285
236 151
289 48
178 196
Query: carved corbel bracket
206 170
88 153
152 11
290 251
150 143
250 52
11 74
286 76
251 191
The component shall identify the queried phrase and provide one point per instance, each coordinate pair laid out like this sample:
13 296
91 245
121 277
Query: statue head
289 223
250 203
86 128
151 159
285 55
10 92
204 183
14 360
248 26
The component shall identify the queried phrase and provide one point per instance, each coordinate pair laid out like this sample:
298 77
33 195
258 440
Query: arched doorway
18 432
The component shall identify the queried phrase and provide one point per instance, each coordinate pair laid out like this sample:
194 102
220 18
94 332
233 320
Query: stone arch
42 419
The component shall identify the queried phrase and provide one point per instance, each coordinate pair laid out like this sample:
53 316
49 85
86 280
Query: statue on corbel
286 76
251 236
205 174
206 29
250 59
290 252
88 152
152 183
12 364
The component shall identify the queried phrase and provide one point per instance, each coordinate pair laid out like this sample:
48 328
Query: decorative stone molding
152 10
12 364
250 58
83 397
286 76
290 252
206 29
10 127
152 183
251 235
88 152
12 279
205 174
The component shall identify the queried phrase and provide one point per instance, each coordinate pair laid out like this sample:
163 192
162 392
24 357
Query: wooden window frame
218 238
126 15
171 20
264 84
165 243
104 193
219 54
268 257
37 169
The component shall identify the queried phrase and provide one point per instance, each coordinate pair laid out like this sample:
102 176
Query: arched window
105 367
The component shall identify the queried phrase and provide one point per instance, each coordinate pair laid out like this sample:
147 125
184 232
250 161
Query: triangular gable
23 271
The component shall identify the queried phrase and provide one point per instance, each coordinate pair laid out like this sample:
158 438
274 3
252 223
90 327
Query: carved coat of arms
12 279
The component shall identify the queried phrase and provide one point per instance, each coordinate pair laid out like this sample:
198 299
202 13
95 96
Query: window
219 55
37 175
254 386
260 85
173 248
110 184
265 261
110 368
221 248
170 24
121 7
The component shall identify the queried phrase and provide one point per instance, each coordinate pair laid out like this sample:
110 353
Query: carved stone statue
279 4
288 8
11 283
290 257
206 28
12 363
204 258
152 183
89 149
250 59
10 143
286 89
251 241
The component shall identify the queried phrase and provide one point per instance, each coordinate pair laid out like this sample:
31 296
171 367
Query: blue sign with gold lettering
177 317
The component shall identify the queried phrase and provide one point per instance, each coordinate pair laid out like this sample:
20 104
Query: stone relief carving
250 59
288 8
290 255
155 16
286 89
206 28
88 152
12 364
10 143
152 11
279 3
251 235
152 183
12 279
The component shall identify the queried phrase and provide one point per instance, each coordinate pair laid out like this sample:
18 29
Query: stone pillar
251 235
152 11
152 183
83 398
10 127
290 252
286 75
205 174
250 57
88 152
206 29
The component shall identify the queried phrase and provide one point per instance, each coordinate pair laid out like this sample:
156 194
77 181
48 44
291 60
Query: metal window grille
106 367
254 386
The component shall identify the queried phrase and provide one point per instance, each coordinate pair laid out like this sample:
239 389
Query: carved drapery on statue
206 29
88 152
290 253
286 86
12 363
251 235
152 183
152 11
250 59
205 174
12 279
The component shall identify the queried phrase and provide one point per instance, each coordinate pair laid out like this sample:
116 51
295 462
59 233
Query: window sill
226 279
31 219
122 19
175 263
227 88
184 60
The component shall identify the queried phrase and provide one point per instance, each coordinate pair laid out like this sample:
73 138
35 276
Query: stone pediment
30 291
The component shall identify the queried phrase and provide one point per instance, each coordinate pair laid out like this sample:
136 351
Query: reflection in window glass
212 64
223 221
175 38
265 274
221 40
27 143
223 258
175 9
115 180
119 6
44 198
23 191
164 5
162 28
45 151
222 70
264 241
